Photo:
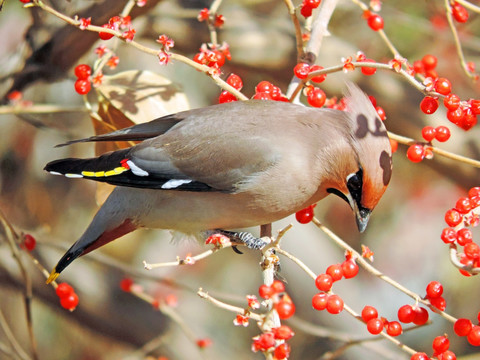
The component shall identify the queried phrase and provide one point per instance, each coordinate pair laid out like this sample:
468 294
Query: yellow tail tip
53 276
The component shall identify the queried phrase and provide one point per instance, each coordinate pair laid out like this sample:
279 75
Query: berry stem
454 258
463 159
298 30
456 40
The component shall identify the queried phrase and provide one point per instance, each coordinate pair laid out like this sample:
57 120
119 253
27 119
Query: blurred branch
13 239
67 44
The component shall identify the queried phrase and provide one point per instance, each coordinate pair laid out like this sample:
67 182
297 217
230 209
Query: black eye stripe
355 184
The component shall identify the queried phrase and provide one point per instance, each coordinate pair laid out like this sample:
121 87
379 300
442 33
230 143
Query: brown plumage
234 165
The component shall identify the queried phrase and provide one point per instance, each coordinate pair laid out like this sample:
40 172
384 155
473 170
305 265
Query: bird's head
366 172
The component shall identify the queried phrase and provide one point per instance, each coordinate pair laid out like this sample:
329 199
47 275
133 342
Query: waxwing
234 165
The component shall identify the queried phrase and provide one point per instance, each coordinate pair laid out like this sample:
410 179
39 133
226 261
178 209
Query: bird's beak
362 216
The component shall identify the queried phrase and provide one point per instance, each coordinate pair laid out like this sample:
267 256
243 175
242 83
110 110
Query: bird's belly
192 211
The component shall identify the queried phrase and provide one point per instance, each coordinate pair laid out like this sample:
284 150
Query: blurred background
37 57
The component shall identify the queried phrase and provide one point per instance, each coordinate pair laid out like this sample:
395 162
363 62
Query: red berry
394 145
456 116
334 304
428 133
449 235
429 62
200 58
416 153
463 205
83 71
472 251
265 291
278 286
235 81
264 86
473 336
451 102
203 343
28 242
82 86
324 282
464 236
319 301
350 269
473 192
418 67
318 78
394 328
335 271
69 302
64 290
126 284
368 313
306 10
381 113
442 133
406 314
312 3
447 355
285 308
443 86
375 22
453 217
283 332
369 70
301 70
459 13
316 97
469 120
440 344
216 57
262 96
375 326
373 100
419 356
306 215
462 327
421 315
282 351
429 105
438 303
475 106
225 97
434 289
105 35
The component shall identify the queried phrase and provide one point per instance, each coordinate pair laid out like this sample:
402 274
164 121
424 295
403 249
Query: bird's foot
247 238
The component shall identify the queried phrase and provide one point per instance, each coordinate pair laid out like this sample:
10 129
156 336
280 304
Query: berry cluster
82 85
68 297
324 282
274 340
213 56
375 324
308 6
118 23
461 113
464 327
465 214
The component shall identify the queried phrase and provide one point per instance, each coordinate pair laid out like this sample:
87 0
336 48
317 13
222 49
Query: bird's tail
106 226
109 164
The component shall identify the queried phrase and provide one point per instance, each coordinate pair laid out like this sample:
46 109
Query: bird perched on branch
234 165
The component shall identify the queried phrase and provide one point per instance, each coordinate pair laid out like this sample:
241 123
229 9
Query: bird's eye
355 184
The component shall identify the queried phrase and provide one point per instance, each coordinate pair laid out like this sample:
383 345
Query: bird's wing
138 132
207 152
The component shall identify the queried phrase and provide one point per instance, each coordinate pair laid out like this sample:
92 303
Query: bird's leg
248 239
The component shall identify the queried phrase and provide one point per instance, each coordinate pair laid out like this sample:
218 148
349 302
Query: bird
232 166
